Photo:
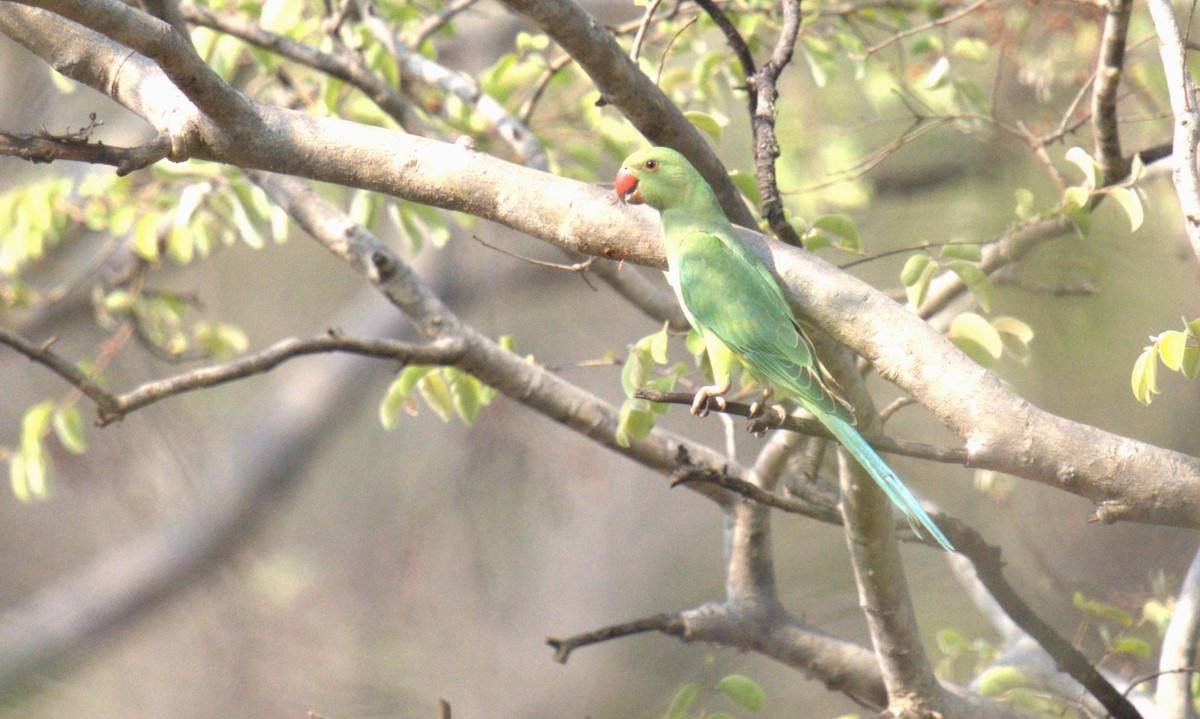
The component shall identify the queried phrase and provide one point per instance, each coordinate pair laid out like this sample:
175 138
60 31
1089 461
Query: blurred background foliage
432 560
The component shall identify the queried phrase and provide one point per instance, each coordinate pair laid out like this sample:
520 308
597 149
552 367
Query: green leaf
220 339
841 226
916 275
1000 679
705 122
145 237
977 338
969 48
180 246
1024 203
1158 613
1171 345
914 268
1102 610
657 344
1131 645
1076 198
1191 361
397 396
695 343
436 393
245 226
34 426
636 421
637 369
976 280
1145 375
682 701
743 690
952 642
1129 201
68 427
465 394
1081 159
747 185
1015 334
968 251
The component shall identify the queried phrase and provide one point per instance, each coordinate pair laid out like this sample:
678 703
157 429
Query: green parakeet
733 301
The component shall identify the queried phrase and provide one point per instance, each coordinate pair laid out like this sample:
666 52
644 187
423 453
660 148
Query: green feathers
728 294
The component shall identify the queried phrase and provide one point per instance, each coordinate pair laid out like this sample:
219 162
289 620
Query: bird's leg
710 397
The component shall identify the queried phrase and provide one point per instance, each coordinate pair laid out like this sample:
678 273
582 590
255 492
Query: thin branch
345 66
736 43
45 148
766 146
1187 117
813 428
635 50
940 21
578 267
666 623
67 370
1109 66
435 22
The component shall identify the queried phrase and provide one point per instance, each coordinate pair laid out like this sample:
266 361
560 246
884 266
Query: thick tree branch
624 85
1184 171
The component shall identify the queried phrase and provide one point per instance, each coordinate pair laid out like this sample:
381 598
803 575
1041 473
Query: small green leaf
658 344
969 48
952 642
1191 361
695 343
1171 345
747 185
1076 198
683 701
705 122
1015 334
245 226
841 226
464 393
1024 203
1145 375
437 395
1131 645
977 338
1081 159
68 427
1000 679
637 369
976 281
180 246
220 339
1158 613
145 237
398 393
914 268
743 690
1100 609
968 251
1129 201
636 421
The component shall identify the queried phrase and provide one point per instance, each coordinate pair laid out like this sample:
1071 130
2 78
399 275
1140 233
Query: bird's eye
651 164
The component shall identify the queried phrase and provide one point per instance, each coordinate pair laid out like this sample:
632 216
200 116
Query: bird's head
659 177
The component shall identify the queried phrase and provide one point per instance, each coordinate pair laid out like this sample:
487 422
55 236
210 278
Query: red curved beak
627 187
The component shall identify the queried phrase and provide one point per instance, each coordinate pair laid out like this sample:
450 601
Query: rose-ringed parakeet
733 301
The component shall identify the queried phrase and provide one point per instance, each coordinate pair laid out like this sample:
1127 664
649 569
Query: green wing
732 294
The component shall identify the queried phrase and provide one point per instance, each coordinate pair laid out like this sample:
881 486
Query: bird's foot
760 404
709 398
767 418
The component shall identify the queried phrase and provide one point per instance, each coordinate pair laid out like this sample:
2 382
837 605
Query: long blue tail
884 476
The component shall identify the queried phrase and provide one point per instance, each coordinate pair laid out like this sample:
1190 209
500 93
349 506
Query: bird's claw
760 404
766 418
708 399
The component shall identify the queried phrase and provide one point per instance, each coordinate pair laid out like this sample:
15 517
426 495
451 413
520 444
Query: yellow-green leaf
464 393
683 701
999 679
976 281
743 690
841 226
68 427
914 268
398 393
1171 345
705 122
976 336
436 393
145 237
1145 375
1129 201
1081 159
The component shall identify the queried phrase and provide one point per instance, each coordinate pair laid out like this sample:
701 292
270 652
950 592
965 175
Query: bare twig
577 267
49 148
635 50
668 623
942 20
435 22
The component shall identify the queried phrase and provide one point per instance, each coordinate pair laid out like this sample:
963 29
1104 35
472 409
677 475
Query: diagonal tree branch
1111 63
1174 692
624 85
